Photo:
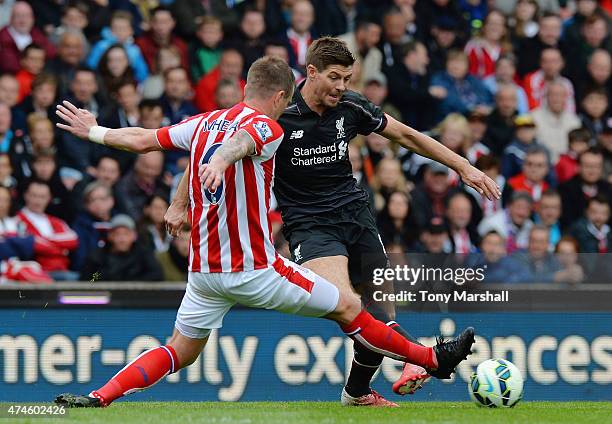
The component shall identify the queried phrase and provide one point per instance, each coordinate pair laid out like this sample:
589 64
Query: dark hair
488 162
363 24
537 149
327 51
114 159
547 15
44 78
410 47
159 9
78 5
122 14
149 104
568 239
267 75
29 48
599 198
579 134
595 90
590 151
111 82
551 192
33 181
175 68
83 68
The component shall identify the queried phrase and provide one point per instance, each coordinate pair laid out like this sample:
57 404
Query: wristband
97 133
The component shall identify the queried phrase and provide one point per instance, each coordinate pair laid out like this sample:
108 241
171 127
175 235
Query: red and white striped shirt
231 230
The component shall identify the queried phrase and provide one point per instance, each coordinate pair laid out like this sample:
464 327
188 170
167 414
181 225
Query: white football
496 383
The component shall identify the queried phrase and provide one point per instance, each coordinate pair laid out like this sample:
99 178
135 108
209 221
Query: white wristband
97 133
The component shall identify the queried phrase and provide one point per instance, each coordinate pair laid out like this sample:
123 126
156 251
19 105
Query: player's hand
175 217
480 182
78 121
211 174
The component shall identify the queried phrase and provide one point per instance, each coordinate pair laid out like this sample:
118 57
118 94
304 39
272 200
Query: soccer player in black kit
327 222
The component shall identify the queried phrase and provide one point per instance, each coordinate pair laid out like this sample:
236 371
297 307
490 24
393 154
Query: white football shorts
285 287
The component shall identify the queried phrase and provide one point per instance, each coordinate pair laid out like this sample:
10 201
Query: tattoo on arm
239 146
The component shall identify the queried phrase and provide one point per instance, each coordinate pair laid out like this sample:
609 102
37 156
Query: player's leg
366 256
201 310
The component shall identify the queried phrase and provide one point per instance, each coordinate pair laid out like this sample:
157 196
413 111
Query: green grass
331 413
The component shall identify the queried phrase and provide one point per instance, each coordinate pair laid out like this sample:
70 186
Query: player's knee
349 306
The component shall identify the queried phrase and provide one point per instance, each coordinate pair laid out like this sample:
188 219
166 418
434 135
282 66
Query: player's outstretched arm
82 123
428 147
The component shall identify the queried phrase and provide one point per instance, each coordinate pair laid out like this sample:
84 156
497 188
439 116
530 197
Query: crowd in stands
521 88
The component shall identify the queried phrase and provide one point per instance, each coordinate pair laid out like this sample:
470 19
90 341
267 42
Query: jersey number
214 197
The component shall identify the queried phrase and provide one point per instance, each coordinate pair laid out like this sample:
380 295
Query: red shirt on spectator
205 98
567 167
24 78
482 57
11 53
535 86
520 183
56 233
149 48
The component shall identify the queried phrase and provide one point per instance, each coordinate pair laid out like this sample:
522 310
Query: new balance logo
297 254
342 149
296 134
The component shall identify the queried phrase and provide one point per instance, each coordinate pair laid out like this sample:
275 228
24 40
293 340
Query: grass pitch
332 412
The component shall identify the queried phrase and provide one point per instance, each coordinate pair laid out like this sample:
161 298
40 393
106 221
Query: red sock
144 371
378 337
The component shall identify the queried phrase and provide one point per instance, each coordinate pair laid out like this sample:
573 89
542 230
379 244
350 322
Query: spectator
434 239
205 51
376 90
19 34
40 138
572 28
251 40
50 230
74 19
514 153
280 50
597 74
228 94
537 82
542 265
523 22
532 178
122 258
337 17
394 36
491 166
140 183
493 257
592 230
595 35
5 12
594 106
151 114
6 133
548 213
473 148
93 222
513 222
6 178
9 90
429 11
456 90
567 166
70 54
588 183
389 178
114 68
32 61
501 121
459 216
175 260
394 221
410 82
119 33
362 43
229 68
44 168
162 24
167 58
185 11
505 73
175 103
485 50
531 48
125 112
567 254
554 121
42 98
152 228
300 33
442 40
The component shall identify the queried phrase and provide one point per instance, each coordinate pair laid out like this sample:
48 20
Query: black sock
365 364
403 332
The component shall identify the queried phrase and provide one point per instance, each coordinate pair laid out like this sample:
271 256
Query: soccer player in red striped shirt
232 259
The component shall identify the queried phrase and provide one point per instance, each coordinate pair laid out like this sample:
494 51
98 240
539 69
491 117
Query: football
496 383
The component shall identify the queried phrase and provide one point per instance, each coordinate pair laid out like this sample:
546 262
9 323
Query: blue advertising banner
261 355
